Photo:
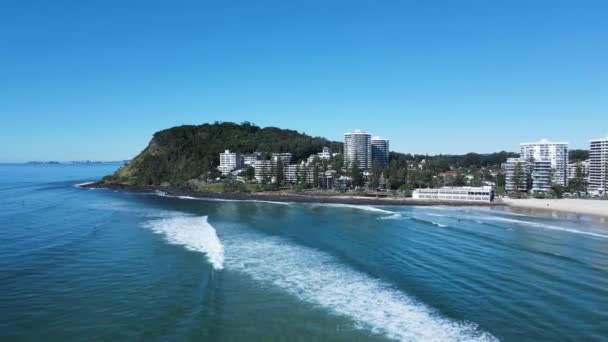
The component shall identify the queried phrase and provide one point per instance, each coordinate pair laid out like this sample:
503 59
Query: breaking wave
194 233
320 279
209 199
355 206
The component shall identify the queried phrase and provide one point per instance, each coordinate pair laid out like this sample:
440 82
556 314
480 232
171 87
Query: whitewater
317 278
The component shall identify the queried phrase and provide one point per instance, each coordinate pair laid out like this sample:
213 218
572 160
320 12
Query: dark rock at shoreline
281 197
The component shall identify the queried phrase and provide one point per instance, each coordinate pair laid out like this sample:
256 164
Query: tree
518 177
376 172
529 180
304 176
558 190
249 172
578 155
460 180
356 174
578 183
279 171
315 175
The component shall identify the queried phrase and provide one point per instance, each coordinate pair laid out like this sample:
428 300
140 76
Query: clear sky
95 79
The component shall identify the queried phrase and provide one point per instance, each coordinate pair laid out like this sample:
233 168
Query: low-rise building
251 158
284 157
465 194
325 154
264 170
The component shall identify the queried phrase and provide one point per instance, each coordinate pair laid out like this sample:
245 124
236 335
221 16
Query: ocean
82 264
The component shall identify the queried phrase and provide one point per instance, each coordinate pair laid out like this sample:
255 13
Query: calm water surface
79 264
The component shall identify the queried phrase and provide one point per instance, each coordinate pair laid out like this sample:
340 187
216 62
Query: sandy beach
566 205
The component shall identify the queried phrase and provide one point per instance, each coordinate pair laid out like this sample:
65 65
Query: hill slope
178 154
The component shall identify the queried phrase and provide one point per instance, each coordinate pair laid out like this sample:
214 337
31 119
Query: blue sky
95 80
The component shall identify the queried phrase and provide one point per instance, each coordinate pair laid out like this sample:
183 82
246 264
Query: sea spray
194 233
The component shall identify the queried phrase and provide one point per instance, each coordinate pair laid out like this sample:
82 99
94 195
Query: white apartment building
251 158
380 152
554 152
358 146
325 154
598 165
284 157
465 193
229 161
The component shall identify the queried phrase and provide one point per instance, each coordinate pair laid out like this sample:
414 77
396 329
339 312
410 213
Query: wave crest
194 233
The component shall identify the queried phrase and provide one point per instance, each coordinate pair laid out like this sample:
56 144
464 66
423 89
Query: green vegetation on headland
188 156
179 154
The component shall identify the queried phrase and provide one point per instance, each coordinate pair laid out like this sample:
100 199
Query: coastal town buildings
229 161
598 165
358 147
465 193
556 153
380 151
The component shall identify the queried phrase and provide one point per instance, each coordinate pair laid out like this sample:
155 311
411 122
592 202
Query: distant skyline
82 80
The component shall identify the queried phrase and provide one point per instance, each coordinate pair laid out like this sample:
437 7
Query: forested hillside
178 154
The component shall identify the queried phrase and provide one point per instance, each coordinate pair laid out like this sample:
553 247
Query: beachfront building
554 152
542 172
358 147
229 161
465 193
598 166
380 152
516 174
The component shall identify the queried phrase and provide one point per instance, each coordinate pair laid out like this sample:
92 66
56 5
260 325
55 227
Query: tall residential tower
380 151
358 146
598 165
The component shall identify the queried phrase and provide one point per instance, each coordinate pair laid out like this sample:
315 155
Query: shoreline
287 197
574 206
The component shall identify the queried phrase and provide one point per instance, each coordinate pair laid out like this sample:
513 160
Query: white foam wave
209 199
543 225
483 218
79 185
355 206
320 279
194 233
395 216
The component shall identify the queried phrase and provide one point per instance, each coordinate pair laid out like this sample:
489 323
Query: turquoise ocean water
79 264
